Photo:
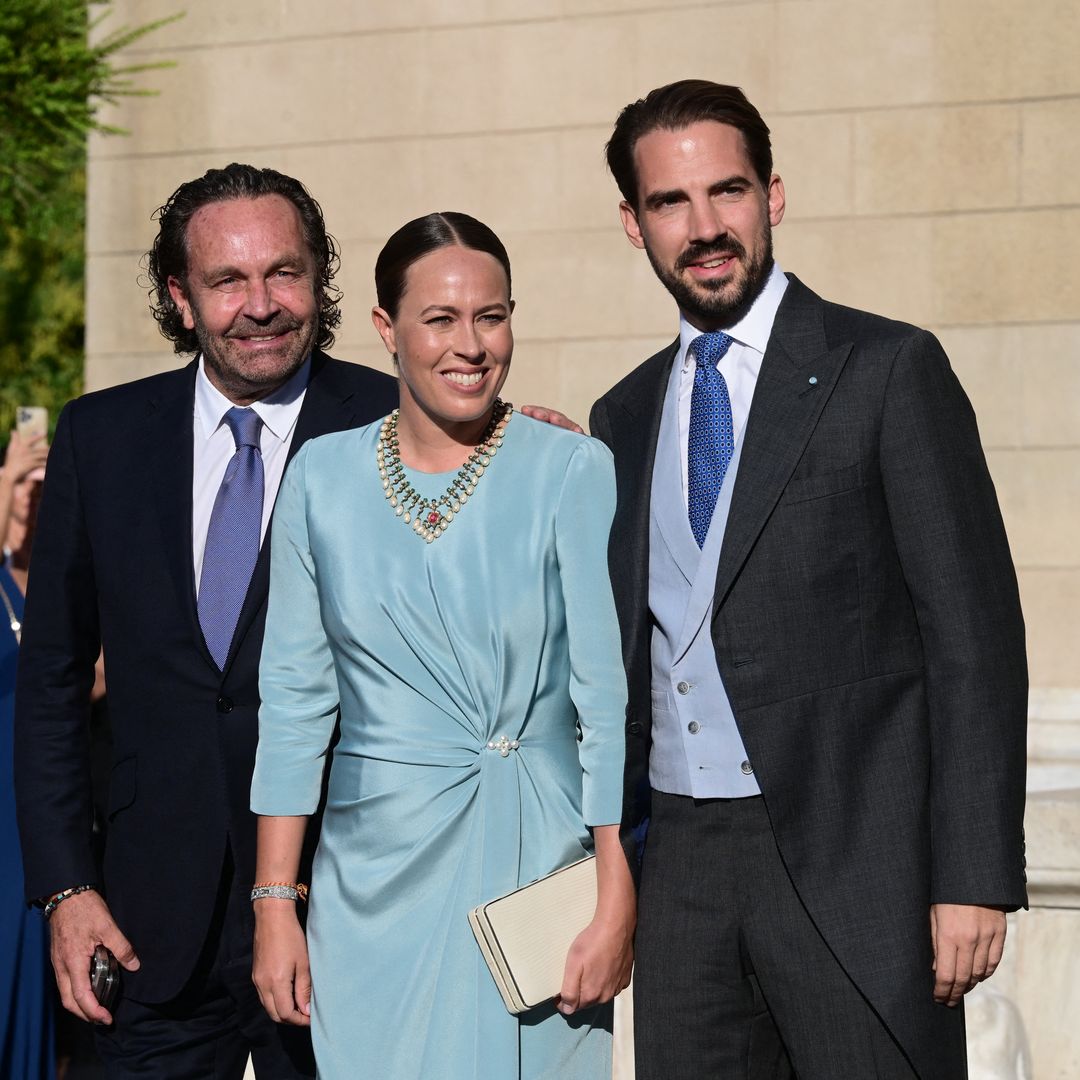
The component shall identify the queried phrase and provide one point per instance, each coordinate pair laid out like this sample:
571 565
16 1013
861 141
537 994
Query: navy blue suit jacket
112 569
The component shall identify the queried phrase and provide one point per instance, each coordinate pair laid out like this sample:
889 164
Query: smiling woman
443 283
438 649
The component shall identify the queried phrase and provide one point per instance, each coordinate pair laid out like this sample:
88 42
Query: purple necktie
711 438
233 538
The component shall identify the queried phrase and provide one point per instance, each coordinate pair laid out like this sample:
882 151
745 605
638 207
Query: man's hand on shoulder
968 942
78 926
551 416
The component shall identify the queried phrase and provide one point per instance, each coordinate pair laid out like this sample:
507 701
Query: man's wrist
50 904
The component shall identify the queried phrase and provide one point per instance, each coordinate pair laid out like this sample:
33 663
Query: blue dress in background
503 628
26 1003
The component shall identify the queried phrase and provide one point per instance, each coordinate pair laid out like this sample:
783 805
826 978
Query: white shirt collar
278 411
754 328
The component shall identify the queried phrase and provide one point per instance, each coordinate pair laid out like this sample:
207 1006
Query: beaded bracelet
280 890
58 898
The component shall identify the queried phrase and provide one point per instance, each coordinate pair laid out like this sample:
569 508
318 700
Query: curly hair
168 257
676 106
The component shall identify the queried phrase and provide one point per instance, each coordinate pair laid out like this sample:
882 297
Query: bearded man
824 646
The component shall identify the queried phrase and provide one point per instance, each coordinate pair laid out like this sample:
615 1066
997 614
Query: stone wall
930 149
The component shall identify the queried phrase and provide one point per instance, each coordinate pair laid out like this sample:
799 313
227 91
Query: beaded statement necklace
430 518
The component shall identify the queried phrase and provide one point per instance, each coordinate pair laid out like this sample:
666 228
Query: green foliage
41 306
52 81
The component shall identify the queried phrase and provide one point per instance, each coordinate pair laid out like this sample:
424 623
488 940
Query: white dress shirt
214 446
739 365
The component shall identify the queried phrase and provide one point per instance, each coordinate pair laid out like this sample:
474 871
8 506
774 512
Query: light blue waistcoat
696 746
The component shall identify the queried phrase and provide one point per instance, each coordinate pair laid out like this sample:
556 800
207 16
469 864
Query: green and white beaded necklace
431 517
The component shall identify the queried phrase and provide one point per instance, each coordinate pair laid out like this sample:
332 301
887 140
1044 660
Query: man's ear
382 322
630 224
777 200
179 296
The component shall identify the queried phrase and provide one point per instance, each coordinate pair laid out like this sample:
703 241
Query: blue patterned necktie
233 538
712 438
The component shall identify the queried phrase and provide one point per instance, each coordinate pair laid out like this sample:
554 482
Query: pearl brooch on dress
504 745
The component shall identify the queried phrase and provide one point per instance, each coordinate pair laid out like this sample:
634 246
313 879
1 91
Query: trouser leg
733 979
828 1027
208 1031
698 1008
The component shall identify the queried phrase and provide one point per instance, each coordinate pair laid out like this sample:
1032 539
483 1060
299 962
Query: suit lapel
328 406
798 373
170 417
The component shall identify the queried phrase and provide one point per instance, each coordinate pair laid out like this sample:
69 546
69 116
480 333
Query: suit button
634 727
693 727
683 687
224 704
746 768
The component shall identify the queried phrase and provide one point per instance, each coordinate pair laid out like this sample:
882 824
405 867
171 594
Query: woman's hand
599 961
598 964
280 969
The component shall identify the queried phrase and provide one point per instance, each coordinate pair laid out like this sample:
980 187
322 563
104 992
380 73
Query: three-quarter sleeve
297 680
597 679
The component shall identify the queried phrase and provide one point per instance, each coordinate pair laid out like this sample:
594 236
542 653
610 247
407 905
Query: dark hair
676 106
420 237
168 257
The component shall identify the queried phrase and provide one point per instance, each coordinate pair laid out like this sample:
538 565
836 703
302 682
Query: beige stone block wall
925 161
1048 172
1051 599
930 153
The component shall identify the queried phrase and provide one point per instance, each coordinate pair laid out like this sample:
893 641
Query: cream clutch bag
526 934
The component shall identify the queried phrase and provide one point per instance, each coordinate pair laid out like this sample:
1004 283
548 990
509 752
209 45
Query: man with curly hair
150 545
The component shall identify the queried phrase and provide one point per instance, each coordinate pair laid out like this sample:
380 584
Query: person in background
27 997
440 578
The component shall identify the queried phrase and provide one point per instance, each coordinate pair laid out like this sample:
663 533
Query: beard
239 374
715 304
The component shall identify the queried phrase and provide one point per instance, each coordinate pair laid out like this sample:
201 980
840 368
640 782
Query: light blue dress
502 627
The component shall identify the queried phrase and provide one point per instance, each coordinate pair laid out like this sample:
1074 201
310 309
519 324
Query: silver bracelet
277 892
